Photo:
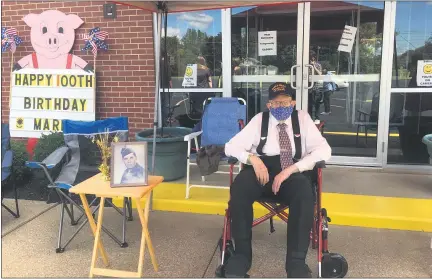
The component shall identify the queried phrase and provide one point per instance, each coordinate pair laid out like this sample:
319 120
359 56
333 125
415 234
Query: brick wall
125 73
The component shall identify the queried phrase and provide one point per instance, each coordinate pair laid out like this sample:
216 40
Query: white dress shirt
314 146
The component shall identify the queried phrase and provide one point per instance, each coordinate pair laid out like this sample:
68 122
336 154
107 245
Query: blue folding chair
7 177
69 157
222 119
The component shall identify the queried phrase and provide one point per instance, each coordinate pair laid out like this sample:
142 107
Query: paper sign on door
267 43
348 38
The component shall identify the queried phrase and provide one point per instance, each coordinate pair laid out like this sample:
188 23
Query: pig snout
52 41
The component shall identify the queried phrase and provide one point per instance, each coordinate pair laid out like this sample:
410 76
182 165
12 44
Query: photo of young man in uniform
134 173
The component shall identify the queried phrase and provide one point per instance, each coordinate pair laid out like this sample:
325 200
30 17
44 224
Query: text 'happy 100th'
50 80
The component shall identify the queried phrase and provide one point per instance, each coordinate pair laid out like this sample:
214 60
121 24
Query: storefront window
410 121
411 93
194 38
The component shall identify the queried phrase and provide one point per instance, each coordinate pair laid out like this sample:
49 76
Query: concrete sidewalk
185 246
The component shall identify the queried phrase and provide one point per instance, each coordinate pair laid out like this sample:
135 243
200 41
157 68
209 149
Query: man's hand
281 177
260 169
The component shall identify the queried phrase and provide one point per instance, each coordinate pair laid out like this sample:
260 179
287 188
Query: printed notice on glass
348 38
190 77
267 43
424 73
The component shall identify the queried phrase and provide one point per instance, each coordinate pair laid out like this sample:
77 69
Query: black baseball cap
281 88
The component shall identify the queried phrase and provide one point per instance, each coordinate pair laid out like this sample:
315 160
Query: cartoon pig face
52 32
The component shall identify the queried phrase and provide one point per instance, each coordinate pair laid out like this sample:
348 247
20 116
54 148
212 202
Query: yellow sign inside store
53 80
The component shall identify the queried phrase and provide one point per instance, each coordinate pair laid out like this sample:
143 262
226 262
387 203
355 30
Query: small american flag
11 32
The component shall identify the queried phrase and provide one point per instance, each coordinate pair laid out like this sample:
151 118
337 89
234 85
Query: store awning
183 6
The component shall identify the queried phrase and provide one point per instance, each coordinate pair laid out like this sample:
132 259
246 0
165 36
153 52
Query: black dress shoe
237 267
299 271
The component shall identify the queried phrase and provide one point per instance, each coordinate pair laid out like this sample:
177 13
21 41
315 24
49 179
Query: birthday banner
41 98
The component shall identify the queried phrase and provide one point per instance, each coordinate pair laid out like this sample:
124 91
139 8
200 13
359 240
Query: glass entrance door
337 81
342 77
266 47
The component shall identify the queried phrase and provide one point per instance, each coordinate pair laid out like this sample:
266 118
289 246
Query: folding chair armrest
34 165
51 161
7 159
320 165
192 136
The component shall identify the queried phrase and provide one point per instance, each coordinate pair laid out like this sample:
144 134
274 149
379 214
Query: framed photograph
129 164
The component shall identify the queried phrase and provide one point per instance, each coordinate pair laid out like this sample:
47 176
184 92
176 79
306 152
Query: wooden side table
100 188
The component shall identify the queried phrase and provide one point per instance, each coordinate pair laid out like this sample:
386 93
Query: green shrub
47 144
20 156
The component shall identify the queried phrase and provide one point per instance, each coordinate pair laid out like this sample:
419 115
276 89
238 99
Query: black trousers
326 99
296 192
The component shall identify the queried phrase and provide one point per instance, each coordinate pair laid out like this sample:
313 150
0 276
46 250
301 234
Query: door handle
292 77
312 76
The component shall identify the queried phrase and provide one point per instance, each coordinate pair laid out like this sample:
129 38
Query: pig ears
74 21
31 19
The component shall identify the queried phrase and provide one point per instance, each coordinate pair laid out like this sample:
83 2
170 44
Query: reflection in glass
413 41
368 17
346 90
186 109
410 121
254 73
194 38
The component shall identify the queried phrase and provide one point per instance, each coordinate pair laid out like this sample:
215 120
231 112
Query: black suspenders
296 132
264 131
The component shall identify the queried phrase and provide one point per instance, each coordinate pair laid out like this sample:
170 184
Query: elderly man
133 173
266 146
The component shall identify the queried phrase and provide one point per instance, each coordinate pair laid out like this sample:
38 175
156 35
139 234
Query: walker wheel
60 250
334 266
220 272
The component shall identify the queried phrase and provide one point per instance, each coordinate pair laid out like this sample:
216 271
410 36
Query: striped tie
286 158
